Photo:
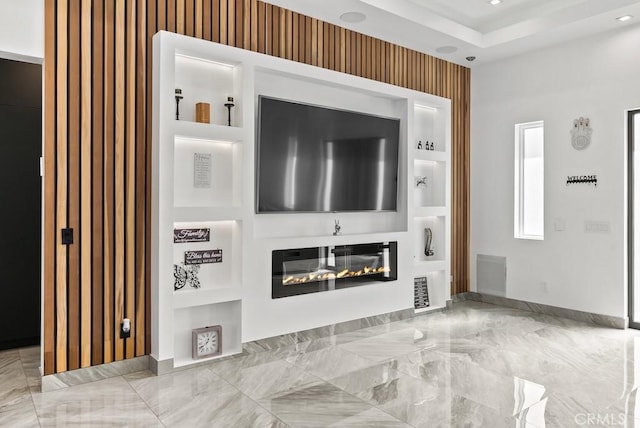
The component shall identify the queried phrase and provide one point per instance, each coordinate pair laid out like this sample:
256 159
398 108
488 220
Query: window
529 181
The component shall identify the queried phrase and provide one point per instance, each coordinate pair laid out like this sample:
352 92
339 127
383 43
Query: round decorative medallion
581 134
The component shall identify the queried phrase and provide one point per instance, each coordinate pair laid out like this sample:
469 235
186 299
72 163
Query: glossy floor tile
476 365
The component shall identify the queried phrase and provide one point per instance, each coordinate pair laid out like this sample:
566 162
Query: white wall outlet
559 224
597 226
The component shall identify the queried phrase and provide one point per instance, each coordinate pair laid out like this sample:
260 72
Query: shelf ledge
430 155
429 265
435 211
205 214
206 131
202 296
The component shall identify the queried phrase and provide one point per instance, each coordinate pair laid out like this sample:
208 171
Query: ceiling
474 27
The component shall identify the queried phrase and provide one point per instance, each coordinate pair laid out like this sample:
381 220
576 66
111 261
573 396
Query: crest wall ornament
581 133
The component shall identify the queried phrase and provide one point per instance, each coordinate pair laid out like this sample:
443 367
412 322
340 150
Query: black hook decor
585 179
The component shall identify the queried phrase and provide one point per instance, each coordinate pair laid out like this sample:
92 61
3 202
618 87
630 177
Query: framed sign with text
191 235
200 257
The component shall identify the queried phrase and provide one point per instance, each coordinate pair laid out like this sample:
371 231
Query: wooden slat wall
97 148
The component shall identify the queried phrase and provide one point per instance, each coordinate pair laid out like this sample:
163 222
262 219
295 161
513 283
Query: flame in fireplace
324 275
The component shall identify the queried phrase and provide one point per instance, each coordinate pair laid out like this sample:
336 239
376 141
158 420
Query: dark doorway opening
20 196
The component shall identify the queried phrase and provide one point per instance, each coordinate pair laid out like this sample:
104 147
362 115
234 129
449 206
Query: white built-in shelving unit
179 204
430 195
236 292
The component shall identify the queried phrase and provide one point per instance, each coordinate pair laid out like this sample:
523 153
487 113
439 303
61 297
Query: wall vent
491 273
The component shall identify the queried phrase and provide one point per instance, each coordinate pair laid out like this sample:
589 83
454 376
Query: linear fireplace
311 270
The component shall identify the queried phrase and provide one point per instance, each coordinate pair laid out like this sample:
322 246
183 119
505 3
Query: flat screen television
318 159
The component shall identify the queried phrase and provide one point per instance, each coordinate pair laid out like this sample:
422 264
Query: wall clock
206 342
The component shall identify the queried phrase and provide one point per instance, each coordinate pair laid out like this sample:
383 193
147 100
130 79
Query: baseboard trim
587 317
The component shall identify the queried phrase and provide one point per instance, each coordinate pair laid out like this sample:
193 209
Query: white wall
596 78
22 30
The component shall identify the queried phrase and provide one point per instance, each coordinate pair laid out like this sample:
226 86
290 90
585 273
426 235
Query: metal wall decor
179 96
581 133
427 145
420 292
421 181
229 104
428 240
582 179
185 275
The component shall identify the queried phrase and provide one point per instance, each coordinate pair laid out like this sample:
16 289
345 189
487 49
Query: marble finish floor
476 365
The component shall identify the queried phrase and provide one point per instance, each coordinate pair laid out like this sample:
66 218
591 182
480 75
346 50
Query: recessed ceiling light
446 49
353 17
624 18
495 2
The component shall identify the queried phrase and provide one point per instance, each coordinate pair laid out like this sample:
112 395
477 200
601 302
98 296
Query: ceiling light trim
353 17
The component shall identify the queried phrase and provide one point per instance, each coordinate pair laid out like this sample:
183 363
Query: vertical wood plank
207 17
239 15
319 43
50 133
73 201
109 143
120 115
282 37
180 16
358 57
253 29
223 21
142 237
294 36
85 189
268 30
164 10
262 42
62 182
246 25
130 175
367 57
231 22
275 32
308 50
151 30
171 21
215 19
315 37
343 49
198 23
288 42
189 17
330 48
97 346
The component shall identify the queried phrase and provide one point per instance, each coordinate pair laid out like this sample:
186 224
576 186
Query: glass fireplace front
315 269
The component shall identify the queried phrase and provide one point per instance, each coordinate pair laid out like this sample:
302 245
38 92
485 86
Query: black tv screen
318 159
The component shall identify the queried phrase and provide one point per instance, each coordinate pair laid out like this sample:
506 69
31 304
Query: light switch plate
591 226
559 224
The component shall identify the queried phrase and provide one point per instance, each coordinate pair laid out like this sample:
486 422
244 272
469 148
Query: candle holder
229 104
178 98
